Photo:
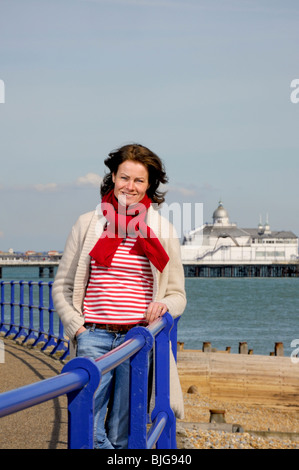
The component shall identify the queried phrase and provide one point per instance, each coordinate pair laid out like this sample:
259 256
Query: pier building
223 249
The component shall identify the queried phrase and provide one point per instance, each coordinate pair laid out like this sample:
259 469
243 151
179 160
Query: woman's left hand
154 311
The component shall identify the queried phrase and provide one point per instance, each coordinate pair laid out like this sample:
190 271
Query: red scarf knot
125 221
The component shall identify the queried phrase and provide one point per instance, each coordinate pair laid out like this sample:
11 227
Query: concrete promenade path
40 427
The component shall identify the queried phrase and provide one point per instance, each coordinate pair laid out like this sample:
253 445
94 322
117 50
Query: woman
121 267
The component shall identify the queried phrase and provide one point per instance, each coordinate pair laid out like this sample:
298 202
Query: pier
44 268
222 249
241 270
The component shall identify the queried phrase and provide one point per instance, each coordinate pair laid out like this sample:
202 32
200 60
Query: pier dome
222 245
220 215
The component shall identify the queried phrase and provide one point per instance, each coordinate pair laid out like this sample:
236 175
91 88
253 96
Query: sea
227 311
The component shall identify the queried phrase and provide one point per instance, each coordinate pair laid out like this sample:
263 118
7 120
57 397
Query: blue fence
80 377
28 316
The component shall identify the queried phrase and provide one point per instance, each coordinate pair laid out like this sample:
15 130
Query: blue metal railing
80 377
28 316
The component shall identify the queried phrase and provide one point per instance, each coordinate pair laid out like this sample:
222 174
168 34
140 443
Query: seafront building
223 249
28 256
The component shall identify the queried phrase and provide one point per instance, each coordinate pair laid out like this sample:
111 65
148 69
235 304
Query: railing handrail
84 374
80 378
36 393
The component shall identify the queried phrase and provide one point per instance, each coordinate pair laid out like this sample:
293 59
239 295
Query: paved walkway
40 427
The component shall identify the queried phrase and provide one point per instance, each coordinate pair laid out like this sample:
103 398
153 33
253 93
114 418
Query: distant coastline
29 257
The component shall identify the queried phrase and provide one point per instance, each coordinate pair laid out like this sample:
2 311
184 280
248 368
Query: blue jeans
111 418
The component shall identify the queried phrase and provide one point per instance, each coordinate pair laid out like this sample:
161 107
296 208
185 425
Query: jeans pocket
79 336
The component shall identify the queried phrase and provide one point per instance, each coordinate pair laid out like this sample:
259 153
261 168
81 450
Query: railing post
31 335
60 345
174 345
174 337
50 338
3 329
81 405
138 389
12 330
162 385
41 330
22 332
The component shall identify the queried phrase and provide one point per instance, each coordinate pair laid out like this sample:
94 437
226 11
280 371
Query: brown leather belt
114 328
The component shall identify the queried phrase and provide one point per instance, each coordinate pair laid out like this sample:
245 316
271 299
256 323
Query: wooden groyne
243 348
252 379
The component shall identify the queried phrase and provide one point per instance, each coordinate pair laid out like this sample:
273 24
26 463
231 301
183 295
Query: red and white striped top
121 293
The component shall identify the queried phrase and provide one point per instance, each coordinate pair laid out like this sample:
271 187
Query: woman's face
130 182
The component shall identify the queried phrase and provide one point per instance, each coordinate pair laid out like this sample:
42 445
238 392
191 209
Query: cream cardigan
73 273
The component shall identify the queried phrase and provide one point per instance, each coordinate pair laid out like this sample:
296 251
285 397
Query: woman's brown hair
137 153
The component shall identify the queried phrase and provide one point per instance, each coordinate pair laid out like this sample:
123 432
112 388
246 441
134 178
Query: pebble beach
281 427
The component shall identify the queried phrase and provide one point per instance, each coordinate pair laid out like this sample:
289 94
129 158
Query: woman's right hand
81 329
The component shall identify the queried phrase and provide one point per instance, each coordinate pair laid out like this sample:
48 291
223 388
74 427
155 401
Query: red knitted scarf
125 221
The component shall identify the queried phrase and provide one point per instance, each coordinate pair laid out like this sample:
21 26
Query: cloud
46 187
1 234
90 179
182 190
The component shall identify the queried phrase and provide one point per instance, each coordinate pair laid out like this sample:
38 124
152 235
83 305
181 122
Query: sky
206 84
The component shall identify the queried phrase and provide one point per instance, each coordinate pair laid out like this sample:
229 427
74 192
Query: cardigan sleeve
172 282
63 285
